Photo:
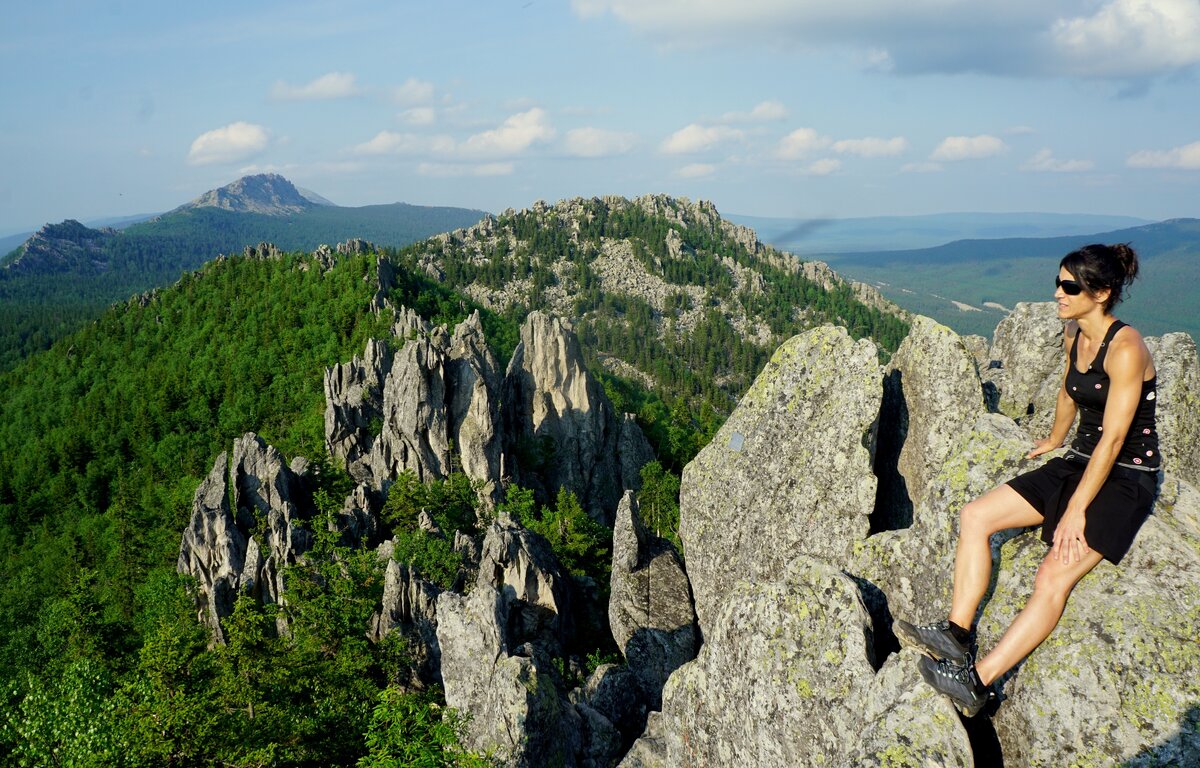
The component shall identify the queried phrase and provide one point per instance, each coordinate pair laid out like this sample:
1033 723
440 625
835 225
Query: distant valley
970 285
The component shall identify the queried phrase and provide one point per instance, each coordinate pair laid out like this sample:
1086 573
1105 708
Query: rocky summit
268 194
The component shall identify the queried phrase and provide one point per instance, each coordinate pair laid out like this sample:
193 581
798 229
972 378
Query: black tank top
1089 390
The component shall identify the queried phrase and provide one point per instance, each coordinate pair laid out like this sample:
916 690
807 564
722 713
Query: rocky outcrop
497 647
560 429
794 593
243 546
650 607
62 248
772 512
424 408
409 607
789 473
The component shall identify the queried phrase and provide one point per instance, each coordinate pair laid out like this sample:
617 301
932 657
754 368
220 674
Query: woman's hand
1045 445
1068 537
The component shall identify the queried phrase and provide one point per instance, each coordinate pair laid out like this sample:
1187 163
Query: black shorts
1114 516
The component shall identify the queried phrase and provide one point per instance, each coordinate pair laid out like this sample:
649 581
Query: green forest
105 436
37 308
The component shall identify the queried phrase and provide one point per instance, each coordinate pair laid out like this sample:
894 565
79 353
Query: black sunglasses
1070 287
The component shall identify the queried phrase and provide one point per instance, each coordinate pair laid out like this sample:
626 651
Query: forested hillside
105 437
43 295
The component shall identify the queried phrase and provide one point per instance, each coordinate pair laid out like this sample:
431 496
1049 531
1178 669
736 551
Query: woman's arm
1125 365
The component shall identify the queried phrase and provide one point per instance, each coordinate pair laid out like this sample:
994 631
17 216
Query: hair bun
1129 260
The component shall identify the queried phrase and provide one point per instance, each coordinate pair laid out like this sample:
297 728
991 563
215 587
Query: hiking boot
958 682
934 640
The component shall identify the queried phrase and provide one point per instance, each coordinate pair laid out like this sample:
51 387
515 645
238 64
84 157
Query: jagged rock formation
389 412
243 546
409 606
268 194
650 608
794 591
393 411
497 648
560 427
66 247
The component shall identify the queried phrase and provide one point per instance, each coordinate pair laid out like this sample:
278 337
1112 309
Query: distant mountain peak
264 193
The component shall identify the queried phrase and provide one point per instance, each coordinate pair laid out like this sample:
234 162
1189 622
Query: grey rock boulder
1178 404
789 473
650 608
1028 344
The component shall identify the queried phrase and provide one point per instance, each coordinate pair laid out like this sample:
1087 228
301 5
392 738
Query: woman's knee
976 518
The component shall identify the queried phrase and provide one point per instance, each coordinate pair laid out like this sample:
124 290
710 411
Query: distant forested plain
983 273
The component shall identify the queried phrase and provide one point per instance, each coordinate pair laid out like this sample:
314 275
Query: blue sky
822 108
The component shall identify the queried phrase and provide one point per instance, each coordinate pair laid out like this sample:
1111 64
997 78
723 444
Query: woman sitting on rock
1090 502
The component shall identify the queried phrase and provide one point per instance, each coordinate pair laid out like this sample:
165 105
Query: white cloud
1186 157
413 92
515 135
1044 162
1088 38
456 170
872 147
335 85
801 142
1131 37
696 171
763 112
419 116
234 143
698 138
823 167
596 142
954 148
394 143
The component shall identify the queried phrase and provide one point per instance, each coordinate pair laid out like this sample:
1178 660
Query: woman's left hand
1068 538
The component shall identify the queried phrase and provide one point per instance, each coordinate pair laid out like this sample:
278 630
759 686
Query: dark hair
1099 266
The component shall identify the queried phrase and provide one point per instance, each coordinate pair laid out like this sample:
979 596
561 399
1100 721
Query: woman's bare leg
996 510
1053 585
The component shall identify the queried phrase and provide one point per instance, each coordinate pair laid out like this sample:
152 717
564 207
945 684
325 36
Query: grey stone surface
1178 404
789 473
1029 345
650 608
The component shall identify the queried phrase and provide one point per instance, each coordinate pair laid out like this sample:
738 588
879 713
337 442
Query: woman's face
1074 304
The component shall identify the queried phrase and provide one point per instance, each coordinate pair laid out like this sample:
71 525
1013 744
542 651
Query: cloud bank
1083 38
